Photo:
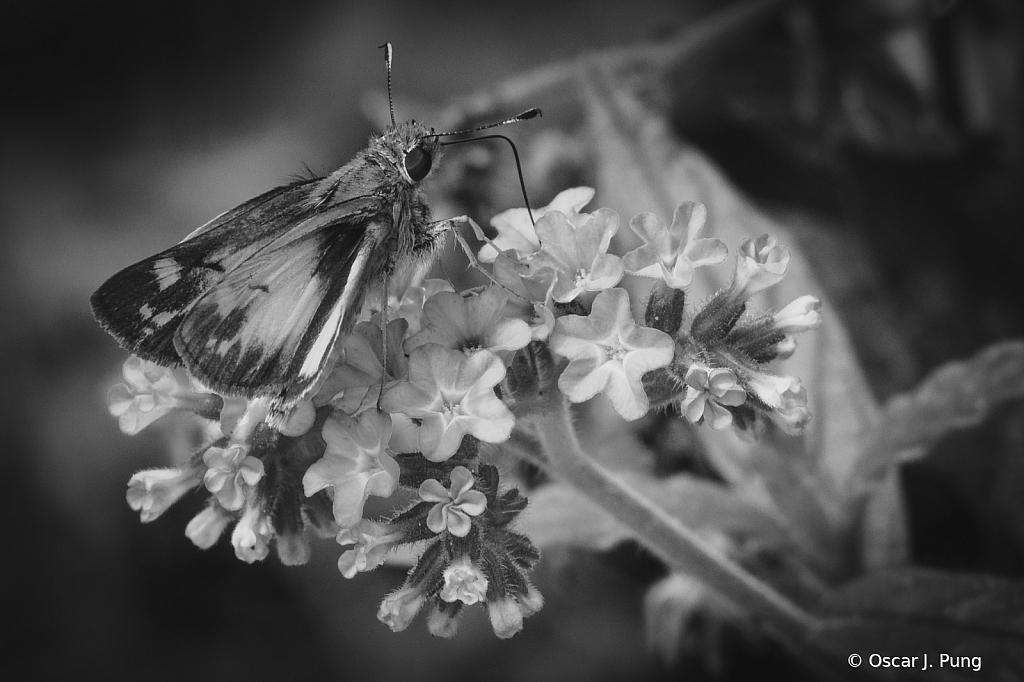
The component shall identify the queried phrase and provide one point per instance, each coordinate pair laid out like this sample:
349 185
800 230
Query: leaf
885 532
958 395
643 167
682 612
913 612
558 514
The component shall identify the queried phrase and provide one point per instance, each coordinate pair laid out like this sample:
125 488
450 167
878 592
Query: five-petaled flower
452 395
153 391
530 299
516 231
356 463
410 306
671 253
471 323
231 472
577 253
355 383
455 504
609 354
708 393
371 545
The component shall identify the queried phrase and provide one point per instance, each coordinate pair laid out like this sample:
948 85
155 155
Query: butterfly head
410 147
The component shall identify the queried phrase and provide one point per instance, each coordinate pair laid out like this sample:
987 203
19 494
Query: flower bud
251 536
153 491
299 421
506 617
531 602
399 608
799 316
760 263
785 348
207 526
442 623
293 549
665 308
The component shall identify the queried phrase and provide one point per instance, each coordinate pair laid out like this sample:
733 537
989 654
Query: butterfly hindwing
269 326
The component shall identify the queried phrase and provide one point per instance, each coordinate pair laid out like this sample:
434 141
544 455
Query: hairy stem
681 548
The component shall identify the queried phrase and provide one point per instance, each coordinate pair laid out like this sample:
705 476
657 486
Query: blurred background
890 129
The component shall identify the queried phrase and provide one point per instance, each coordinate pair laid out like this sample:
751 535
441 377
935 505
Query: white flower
356 463
609 354
799 316
399 608
151 392
153 491
708 393
516 230
760 263
671 253
455 505
231 473
252 535
453 395
465 582
207 526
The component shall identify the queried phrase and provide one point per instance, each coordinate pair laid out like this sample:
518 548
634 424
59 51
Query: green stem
681 548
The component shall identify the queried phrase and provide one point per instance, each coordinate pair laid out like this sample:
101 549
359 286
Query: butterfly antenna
387 60
515 152
525 116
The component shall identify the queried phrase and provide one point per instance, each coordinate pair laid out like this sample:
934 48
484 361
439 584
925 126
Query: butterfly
254 302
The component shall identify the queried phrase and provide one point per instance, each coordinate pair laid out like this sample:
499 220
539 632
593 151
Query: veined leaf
976 621
958 395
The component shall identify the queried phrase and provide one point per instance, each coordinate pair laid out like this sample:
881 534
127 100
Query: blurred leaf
958 395
812 513
641 166
559 514
912 612
884 534
680 613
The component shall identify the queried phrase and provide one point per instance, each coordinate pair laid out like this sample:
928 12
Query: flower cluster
420 387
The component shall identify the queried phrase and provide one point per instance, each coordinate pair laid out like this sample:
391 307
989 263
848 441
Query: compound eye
417 164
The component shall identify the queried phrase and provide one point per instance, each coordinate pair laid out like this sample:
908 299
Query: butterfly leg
448 225
383 342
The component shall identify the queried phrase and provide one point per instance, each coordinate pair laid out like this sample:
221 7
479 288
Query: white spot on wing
167 272
163 318
145 312
324 343
311 365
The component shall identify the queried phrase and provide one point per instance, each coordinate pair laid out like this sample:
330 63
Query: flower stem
681 548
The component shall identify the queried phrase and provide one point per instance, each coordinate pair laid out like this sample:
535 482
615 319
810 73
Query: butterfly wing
269 326
143 305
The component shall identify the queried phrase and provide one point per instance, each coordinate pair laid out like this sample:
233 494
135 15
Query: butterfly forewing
269 326
142 305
